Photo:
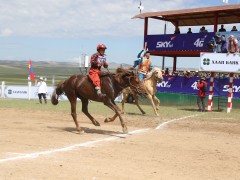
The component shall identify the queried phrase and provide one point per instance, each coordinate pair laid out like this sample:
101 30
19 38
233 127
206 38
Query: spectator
177 30
170 76
202 89
175 73
232 45
203 30
196 74
234 28
223 44
189 31
188 74
222 29
42 90
166 73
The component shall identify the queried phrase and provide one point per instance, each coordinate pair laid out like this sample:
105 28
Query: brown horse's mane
120 73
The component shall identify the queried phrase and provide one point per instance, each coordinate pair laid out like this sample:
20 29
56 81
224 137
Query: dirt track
185 149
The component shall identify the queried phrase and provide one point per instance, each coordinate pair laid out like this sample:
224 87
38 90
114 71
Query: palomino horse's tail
57 92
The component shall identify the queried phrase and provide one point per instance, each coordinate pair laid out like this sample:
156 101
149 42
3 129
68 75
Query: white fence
29 92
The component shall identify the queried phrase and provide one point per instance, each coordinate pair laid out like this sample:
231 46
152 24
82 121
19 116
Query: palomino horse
150 83
80 86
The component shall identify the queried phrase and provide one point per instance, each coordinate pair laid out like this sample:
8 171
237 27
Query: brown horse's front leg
73 102
115 109
136 102
85 111
111 119
123 101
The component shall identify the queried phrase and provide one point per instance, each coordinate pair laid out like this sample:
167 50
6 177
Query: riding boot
99 92
40 100
45 100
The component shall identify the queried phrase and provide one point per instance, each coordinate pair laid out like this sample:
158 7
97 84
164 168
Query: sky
62 30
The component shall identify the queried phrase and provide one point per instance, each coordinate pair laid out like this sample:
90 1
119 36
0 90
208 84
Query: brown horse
80 86
150 86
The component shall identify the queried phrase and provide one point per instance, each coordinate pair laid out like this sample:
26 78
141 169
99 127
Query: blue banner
181 84
179 42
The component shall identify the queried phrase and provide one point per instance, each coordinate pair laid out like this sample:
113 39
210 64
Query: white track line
68 148
161 125
87 144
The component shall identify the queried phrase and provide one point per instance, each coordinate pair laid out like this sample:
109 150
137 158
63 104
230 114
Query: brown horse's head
127 78
57 92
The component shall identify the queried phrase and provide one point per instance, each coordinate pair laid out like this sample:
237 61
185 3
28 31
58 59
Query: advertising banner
184 85
22 92
179 42
220 62
16 92
236 34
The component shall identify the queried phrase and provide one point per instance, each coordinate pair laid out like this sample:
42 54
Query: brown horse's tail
57 92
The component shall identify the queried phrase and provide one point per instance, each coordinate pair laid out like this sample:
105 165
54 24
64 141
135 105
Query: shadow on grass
132 113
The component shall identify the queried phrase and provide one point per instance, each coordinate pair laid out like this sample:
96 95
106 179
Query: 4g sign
199 42
179 42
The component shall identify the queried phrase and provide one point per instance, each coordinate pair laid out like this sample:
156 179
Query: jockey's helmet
101 46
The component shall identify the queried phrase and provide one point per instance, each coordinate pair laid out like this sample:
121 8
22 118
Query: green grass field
165 112
16 72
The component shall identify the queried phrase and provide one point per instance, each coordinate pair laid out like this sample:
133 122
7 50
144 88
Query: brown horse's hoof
96 123
143 112
80 130
125 130
107 120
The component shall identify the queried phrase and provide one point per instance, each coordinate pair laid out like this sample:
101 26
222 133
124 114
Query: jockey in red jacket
97 61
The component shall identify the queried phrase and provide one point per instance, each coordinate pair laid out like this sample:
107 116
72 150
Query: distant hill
15 64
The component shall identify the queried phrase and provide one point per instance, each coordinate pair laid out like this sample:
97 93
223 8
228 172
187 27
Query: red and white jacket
97 61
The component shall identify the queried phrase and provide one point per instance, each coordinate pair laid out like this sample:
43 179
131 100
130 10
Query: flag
30 69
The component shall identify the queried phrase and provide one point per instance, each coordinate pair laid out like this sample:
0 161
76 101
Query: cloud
78 18
6 32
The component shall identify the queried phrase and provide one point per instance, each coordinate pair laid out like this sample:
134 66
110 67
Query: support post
29 89
174 63
163 58
230 93
215 21
211 90
145 30
3 89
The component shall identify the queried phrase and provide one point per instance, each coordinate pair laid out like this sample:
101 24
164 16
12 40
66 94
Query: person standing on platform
222 29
